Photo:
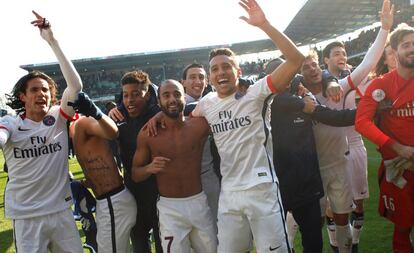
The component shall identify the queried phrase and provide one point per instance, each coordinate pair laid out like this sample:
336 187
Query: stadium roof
319 20
316 21
187 55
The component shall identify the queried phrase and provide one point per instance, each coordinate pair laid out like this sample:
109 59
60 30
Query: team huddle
231 168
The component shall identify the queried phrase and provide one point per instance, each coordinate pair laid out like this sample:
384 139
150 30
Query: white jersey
354 138
207 158
241 130
331 142
37 157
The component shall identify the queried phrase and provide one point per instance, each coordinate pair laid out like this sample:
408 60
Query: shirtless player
115 207
174 155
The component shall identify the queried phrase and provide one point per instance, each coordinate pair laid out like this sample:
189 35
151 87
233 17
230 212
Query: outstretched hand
44 26
387 15
256 14
83 104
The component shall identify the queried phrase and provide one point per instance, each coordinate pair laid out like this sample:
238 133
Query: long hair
20 87
381 68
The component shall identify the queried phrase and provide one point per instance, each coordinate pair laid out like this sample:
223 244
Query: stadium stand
101 75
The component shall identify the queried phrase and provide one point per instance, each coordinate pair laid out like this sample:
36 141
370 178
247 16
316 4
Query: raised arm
282 75
102 126
68 70
142 167
374 52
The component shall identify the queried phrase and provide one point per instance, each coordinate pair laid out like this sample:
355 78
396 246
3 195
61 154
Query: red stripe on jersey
358 91
351 83
270 85
3 127
73 118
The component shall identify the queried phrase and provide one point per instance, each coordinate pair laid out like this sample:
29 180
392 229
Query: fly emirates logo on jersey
228 122
404 111
38 148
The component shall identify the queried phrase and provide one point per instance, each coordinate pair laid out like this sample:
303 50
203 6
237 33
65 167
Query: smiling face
171 98
36 98
195 82
405 51
134 98
337 59
311 71
224 74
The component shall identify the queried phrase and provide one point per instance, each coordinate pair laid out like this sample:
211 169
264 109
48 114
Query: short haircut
20 87
399 33
327 50
224 51
169 81
190 66
138 77
312 54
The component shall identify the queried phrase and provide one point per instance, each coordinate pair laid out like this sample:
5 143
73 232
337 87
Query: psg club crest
238 95
49 120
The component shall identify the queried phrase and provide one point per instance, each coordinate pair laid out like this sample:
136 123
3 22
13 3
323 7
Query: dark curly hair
20 87
138 77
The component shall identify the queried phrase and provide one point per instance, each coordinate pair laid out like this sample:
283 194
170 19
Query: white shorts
55 232
211 187
257 210
186 223
358 172
115 217
337 188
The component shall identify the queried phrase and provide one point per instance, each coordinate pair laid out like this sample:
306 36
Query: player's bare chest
182 143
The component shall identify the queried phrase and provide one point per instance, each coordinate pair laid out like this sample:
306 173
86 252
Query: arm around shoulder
336 118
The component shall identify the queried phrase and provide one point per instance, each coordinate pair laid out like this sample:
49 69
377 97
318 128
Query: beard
405 62
174 114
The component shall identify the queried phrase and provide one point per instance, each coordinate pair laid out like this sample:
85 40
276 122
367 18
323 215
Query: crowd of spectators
106 82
